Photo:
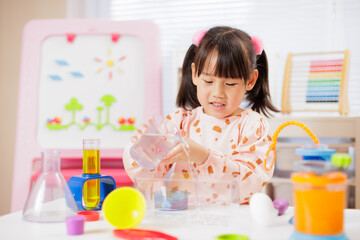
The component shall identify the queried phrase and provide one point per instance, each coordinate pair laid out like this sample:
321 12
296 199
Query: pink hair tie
198 36
258 45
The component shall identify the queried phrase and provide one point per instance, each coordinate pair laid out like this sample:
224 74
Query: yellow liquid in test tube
91 189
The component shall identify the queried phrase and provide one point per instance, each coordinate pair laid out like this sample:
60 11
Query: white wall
13 15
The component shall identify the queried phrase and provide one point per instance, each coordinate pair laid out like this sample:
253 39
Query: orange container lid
322 180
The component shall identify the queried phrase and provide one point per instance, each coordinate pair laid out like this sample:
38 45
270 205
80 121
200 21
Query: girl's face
220 97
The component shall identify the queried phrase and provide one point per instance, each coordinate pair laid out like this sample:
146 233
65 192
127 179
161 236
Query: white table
236 221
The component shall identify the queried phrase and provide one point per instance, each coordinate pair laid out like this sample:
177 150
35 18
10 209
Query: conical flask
50 199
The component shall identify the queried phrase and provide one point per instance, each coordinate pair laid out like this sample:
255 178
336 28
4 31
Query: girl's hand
179 153
191 150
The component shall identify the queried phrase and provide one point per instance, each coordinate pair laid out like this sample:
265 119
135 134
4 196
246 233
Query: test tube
91 165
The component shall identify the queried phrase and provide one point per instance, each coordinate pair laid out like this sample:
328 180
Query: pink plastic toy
75 225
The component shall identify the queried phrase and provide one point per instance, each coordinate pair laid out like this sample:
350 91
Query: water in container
152 147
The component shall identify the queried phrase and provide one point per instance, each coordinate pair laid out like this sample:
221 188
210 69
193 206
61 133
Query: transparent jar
50 199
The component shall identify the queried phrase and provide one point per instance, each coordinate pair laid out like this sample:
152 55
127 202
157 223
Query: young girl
225 142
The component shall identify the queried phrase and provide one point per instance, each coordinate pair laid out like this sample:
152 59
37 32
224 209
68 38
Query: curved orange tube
275 137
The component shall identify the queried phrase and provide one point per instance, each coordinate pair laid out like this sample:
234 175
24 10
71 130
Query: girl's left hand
190 150
179 153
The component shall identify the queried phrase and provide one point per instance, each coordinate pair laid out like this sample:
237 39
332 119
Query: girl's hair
235 59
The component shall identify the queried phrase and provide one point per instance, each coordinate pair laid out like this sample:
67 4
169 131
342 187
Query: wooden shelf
323 127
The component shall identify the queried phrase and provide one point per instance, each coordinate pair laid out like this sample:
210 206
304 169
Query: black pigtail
187 95
259 96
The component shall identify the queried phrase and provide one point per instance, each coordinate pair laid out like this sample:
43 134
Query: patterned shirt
237 144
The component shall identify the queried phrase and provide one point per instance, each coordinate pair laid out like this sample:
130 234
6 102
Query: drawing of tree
99 109
108 100
73 106
126 124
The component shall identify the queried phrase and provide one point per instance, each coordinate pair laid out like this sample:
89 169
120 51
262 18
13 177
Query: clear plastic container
50 199
168 194
314 166
152 147
192 200
217 200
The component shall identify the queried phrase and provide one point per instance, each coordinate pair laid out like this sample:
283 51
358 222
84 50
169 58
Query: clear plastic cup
152 147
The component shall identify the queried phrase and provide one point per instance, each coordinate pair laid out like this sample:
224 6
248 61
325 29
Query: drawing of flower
55 120
86 120
131 120
121 120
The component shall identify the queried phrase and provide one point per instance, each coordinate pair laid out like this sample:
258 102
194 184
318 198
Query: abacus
316 82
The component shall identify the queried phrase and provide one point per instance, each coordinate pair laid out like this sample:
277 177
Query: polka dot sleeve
177 118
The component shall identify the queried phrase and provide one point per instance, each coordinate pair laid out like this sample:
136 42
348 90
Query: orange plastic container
319 202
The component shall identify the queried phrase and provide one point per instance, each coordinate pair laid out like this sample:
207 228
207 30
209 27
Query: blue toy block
76 184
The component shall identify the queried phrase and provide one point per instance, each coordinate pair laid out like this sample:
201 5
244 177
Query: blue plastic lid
315 153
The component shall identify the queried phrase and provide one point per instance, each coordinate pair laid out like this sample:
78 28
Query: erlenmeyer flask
50 199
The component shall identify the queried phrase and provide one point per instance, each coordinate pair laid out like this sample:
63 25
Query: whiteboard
88 69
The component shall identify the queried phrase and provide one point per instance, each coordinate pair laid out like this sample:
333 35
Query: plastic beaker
167 194
152 147
50 199
319 202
